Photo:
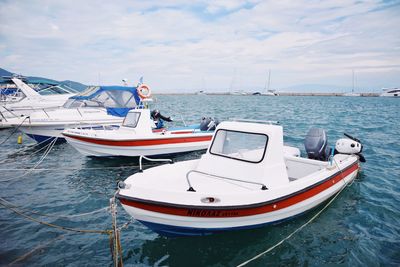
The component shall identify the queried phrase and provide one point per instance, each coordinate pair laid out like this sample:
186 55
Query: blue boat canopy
118 100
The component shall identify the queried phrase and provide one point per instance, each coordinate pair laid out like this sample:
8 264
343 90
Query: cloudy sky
181 46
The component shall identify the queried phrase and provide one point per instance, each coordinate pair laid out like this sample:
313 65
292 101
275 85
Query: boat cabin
254 153
139 121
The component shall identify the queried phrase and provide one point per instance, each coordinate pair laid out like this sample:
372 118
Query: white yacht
22 100
97 105
391 92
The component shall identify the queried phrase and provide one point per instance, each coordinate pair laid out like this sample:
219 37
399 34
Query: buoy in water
19 139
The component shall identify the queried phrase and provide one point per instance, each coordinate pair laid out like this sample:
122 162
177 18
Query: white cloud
176 43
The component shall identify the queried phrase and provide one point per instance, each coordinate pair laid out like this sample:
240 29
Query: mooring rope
53 215
54 225
300 228
29 147
74 169
115 242
37 248
47 151
114 233
14 131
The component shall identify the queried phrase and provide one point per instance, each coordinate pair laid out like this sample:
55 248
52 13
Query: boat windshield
115 99
89 91
11 94
106 99
244 146
131 120
73 103
54 90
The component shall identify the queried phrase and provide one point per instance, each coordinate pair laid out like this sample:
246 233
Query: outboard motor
208 124
316 144
350 145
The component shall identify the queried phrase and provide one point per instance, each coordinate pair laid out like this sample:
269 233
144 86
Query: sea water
360 228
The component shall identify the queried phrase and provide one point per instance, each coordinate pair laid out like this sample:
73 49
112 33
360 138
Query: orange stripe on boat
237 211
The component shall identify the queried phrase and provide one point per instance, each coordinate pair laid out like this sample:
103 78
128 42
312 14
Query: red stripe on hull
185 132
221 212
143 142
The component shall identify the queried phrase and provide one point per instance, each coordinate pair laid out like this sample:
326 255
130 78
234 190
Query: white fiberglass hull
28 106
48 132
48 124
185 213
139 146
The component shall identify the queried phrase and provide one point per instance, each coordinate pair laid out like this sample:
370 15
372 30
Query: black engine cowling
208 124
316 144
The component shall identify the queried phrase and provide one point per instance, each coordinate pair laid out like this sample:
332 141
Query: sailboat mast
268 82
352 90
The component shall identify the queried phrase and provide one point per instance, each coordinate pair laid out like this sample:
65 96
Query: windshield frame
137 120
234 158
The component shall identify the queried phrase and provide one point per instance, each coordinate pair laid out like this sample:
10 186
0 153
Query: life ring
144 91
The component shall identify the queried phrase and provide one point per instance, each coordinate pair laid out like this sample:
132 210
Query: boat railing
47 114
77 109
183 121
150 159
9 111
191 189
255 121
3 117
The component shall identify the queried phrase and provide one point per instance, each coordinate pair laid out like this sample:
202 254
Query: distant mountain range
32 79
4 72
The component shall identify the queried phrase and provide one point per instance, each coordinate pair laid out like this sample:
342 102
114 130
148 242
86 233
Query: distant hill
4 72
35 80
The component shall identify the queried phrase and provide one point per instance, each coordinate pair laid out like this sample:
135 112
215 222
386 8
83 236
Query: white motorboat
138 136
97 105
24 100
390 92
247 179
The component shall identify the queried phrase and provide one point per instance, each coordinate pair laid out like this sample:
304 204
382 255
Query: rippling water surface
360 228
